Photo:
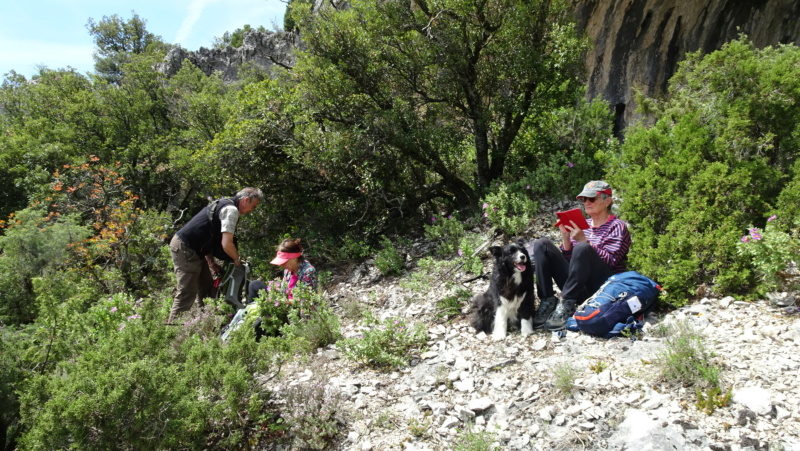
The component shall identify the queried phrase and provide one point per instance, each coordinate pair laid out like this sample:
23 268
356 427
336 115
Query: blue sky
53 32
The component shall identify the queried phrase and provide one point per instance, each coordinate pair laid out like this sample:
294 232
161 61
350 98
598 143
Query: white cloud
196 9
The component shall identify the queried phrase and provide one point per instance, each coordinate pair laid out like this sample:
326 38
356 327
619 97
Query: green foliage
430 272
470 440
468 253
273 307
276 305
235 39
15 368
310 414
389 260
116 40
419 428
110 394
686 361
289 23
111 315
126 251
570 145
772 252
564 378
509 209
598 366
721 150
34 244
451 305
314 327
384 345
447 232
712 399
405 91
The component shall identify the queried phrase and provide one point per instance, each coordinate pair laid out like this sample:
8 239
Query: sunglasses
587 199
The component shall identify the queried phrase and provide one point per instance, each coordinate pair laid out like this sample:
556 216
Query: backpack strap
212 207
632 324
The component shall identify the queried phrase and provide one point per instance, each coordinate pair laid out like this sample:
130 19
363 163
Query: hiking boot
546 307
558 320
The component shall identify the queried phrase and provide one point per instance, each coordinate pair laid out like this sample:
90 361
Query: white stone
781 413
465 385
726 301
756 399
480 404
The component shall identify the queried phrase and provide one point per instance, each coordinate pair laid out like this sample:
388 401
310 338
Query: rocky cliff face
265 49
635 43
639 43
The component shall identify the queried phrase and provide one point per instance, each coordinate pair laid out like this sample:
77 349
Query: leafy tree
722 149
289 23
116 40
437 87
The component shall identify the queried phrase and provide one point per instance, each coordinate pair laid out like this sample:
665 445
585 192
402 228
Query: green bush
509 209
471 440
468 253
149 385
721 150
451 305
772 251
686 361
389 260
15 368
570 147
314 327
311 414
384 345
447 232
304 316
34 244
429 273
564 378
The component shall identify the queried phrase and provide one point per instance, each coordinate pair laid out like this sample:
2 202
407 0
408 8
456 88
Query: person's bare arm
230 248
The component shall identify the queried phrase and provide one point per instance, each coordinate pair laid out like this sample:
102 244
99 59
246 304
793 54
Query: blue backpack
620 304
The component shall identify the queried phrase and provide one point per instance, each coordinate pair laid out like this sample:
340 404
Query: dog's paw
498 336
526 327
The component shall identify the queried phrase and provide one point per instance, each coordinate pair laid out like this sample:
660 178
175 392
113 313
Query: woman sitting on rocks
583 261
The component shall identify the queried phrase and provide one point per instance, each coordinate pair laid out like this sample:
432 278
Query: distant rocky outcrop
640 42
264 49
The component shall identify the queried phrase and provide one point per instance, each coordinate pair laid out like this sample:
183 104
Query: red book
575 215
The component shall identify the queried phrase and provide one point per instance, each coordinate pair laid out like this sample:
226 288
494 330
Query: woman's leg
550 266
255 289
587 272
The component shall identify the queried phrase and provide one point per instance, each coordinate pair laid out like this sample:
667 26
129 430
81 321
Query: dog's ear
496 251
522 242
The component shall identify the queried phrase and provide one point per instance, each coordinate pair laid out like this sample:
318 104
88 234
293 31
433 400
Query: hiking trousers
194 279
578 278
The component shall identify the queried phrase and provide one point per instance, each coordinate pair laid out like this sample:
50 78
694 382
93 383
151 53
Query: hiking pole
452 270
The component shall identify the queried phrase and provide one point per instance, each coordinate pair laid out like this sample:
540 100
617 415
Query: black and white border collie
509 301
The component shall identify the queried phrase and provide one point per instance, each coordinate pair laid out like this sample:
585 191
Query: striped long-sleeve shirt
611 241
